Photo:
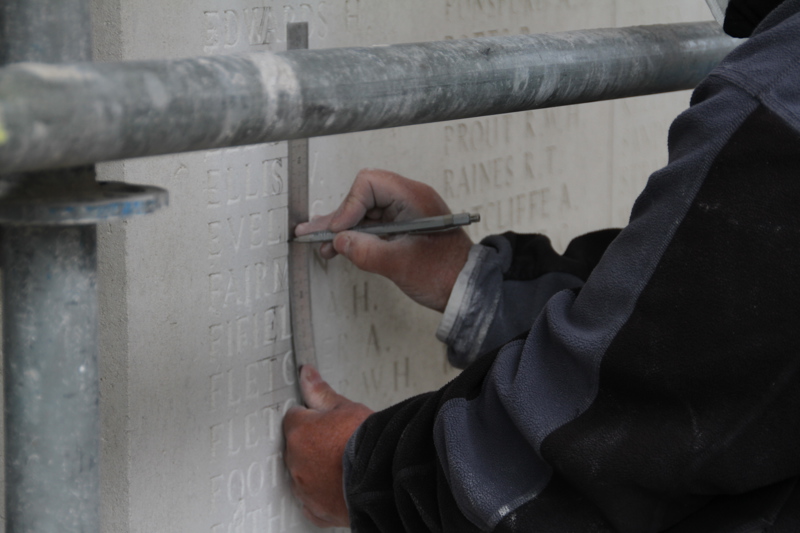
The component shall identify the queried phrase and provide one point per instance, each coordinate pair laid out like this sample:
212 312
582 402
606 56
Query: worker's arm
661 394
489 292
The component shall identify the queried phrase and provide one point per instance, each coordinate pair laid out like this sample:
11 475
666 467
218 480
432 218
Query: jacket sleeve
505 284
662 394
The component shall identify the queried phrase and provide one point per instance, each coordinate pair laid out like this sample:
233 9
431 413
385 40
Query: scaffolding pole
50 317
67 115
48 254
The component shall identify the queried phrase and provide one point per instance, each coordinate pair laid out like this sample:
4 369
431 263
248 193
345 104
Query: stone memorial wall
196 361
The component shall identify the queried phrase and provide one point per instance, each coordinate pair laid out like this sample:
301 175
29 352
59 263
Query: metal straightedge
300 255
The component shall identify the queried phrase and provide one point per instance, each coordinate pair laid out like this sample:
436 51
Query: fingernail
308 375
344 245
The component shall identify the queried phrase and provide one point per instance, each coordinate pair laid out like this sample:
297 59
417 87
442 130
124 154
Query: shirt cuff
348 458
469 310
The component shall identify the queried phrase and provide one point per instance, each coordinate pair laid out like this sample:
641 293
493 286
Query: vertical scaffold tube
50 378
50 318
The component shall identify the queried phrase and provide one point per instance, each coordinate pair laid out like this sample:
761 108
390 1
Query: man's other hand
316 437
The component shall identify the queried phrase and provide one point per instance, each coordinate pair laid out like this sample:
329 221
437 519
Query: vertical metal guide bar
49 262
299 254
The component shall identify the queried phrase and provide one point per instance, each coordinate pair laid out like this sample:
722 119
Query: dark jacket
660 390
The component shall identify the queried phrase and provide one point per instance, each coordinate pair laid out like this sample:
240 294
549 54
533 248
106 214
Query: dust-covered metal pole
52 420
51 381
54 116
49 258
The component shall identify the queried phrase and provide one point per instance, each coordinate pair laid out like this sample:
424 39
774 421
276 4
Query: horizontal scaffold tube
64 115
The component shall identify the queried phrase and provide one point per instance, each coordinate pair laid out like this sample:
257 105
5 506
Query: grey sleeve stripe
459 293
347 463
471 307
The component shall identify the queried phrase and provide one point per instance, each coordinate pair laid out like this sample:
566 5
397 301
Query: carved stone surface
196 363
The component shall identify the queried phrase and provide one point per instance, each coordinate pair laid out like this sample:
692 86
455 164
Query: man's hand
425 266
315 441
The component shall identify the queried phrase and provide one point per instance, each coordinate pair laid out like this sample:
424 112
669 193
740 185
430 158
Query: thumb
317 394
371 253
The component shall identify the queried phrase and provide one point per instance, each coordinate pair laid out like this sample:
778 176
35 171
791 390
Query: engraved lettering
236 485
530 130
240 182
373 344
472 9
233 186
520 210
213 34
260 25
234 398
212 188
272 175
276 516
252 188
245 285
216 439
215 281
231 18
214 240
255 478
233 448
256 26
358 296
551 152
352 10
280 274
251 425
529 173
216 392
256 238
478 178
277 220
217 482
373 379
235 226
254 518
289 371
251 373
216 334
288 14
272 419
